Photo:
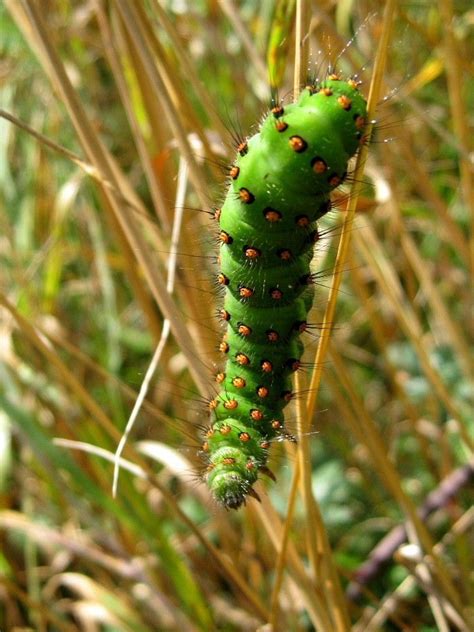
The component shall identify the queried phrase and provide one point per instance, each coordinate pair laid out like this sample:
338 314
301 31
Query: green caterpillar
280 186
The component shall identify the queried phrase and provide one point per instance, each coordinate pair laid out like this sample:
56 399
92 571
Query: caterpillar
280 186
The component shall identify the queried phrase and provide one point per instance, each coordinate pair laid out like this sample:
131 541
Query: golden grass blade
66 376
451 232
158 84
301 47
460 116
367 433
317 541
318 549
95 150
282 550
311 592
43 614
448 327
122 196
187 69
255 58
82 395
368 245
373 99
170 283
373 620
113 57
138 35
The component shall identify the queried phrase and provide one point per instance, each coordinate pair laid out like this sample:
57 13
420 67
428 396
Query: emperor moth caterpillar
280 186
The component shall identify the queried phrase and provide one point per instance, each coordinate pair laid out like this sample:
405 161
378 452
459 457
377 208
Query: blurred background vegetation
115 116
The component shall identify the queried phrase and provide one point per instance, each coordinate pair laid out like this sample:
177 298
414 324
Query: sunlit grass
103 103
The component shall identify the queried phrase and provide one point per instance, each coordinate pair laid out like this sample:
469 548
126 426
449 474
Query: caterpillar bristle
267 472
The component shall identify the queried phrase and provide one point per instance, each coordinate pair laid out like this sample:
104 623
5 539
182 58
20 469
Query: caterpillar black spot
280 186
